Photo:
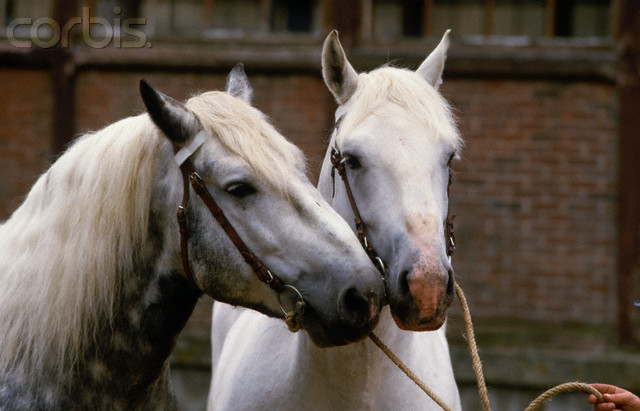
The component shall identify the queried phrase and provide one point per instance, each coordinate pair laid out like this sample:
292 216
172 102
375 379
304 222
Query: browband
188 149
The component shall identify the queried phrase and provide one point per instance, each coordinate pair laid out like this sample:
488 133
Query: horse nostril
403 283
451 282
354 307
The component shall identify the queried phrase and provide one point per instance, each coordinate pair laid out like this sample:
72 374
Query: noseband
338 165
191 178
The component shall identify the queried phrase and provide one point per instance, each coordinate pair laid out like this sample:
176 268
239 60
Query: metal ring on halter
300 304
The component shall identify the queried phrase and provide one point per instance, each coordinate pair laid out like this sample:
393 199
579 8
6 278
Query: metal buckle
269 277
195 176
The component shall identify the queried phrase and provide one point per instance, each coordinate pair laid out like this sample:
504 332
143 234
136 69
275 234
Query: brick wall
535 195
25 132
296 103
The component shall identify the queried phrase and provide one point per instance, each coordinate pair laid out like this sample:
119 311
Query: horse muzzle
422 298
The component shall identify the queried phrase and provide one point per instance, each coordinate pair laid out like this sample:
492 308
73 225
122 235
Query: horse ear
433 66
175 120
238 84
338 73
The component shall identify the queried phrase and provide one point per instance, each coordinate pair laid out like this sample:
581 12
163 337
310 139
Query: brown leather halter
190 176
338 165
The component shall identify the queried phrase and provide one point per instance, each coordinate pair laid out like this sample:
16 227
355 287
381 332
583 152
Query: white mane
246 132
66 251
64 247
411 92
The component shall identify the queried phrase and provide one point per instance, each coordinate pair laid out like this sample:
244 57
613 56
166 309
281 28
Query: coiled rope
566 387
477 368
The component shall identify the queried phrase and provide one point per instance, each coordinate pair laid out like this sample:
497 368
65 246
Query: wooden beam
489 11
346 17
207 14
63 78
628 288
550 18
427 18
366 24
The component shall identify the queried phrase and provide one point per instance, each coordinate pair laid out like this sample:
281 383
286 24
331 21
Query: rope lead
477 368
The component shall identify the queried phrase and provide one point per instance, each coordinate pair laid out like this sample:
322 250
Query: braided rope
473 350
408 372
566 387
477 368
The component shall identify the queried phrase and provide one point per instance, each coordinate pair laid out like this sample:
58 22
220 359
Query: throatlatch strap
182 222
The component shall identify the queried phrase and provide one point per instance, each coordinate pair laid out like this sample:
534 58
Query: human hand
615 398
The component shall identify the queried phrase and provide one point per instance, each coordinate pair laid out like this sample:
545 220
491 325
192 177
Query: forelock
420 101
247 133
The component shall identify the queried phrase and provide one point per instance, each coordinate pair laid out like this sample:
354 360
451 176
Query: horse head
258 180
397 139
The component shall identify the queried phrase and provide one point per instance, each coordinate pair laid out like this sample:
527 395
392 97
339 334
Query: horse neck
130 359
124 362
354 368
153 305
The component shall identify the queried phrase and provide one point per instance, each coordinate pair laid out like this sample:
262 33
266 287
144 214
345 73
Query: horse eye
352 162
241 190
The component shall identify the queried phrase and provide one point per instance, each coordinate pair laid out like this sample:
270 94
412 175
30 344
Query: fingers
605 406
623 399
607 388
615 399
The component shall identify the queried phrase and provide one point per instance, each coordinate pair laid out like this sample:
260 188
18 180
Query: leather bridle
338 163
191 178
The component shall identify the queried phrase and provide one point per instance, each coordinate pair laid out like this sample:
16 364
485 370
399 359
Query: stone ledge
544 368
527 367
536 355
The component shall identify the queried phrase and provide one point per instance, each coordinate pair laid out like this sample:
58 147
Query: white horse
93 289
397 138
